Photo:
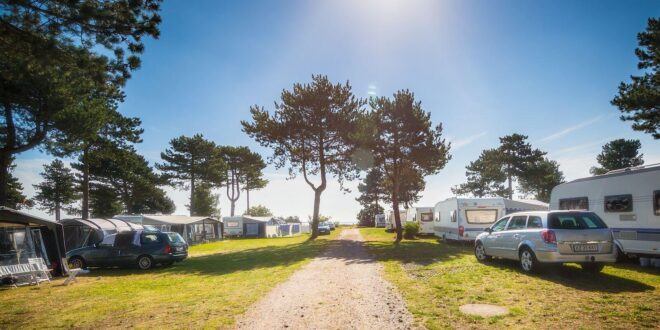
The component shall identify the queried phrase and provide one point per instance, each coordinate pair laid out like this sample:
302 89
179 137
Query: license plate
178 249
585 247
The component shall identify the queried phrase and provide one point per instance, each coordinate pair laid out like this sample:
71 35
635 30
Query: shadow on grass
229 262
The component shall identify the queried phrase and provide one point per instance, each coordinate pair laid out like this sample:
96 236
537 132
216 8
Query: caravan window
481 216
578 203
656 202
453 216
232 224
619 203
426 217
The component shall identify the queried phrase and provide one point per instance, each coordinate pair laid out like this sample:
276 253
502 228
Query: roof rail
634 168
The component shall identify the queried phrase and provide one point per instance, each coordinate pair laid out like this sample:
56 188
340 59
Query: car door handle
516 236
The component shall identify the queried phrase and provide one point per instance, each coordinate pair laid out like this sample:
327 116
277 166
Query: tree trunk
85 184
5 162
57 211
192 195
397 216
315 216
510 187
247 194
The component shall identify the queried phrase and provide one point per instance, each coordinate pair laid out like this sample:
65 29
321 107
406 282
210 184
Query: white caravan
391 222
423 216
628 200
464 218
380 221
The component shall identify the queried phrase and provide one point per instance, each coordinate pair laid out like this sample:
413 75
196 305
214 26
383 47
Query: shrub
410 230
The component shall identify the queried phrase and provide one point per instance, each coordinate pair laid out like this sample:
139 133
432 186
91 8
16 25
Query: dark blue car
141 249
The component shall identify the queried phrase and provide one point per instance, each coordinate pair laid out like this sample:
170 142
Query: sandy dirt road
341 289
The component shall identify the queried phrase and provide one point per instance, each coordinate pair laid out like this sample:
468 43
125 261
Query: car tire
77 262
528 261
480 253
593 268
145 262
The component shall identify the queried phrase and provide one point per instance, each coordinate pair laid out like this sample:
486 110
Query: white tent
193 229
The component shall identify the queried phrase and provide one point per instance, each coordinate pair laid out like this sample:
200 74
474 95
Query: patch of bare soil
341 289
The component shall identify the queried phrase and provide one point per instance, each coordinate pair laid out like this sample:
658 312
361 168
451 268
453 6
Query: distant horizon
484 70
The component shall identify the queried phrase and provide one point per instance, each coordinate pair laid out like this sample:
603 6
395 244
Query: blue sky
484 69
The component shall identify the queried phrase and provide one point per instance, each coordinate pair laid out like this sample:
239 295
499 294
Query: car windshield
175 238
575 220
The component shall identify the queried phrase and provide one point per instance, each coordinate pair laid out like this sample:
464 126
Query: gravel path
341 289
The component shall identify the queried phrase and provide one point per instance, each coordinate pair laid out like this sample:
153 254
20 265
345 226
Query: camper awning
175 220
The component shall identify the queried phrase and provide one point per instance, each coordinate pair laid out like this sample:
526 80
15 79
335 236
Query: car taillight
168 248
549 236
461 231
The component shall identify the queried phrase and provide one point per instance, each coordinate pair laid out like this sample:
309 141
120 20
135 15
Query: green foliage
618 154
56 55
103 201
292 219
190 161
366 216
310 131
539 179
243 167
410 230
205 202
639 101
259 211
15 198
514 159
57 191
406 147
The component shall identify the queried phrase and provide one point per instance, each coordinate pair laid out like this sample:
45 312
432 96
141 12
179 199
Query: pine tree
57 191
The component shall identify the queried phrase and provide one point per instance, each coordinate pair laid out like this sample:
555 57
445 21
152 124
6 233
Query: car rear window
175 238
575 220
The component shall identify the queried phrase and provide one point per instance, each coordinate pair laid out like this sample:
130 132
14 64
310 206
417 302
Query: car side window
534 222
123 240
499 226
517 222
149 239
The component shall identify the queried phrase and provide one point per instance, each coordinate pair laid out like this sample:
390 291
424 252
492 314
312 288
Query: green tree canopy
311 132
253 175
367 215
54 53
618 154
205 202
539 179
243 168
15 197
259 211
511 161
639 100
406 147
57 191
190 161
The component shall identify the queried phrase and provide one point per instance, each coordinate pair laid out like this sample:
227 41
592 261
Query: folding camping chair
40 270
71 272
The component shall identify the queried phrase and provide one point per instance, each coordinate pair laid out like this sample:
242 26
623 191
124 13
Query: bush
410 230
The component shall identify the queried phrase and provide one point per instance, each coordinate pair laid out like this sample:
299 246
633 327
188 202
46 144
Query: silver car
534 238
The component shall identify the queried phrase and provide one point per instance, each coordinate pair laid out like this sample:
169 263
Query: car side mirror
489 230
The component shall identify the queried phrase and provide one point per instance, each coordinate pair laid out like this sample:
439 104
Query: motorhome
628 200
423 216
464 218
380 221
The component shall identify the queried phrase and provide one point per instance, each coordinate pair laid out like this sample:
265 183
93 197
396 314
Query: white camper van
391 222
423 216
628 200
464 218
380 221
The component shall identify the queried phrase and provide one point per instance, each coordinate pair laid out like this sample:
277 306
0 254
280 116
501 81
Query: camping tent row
251 226
192 229
23 236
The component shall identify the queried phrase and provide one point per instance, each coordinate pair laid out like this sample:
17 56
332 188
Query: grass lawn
436 278
209 289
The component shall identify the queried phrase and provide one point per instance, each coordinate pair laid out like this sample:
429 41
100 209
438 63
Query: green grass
208 290
436 278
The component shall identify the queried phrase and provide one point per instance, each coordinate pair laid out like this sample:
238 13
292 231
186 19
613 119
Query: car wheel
480 253
145 262
77 262
528 261
592 268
